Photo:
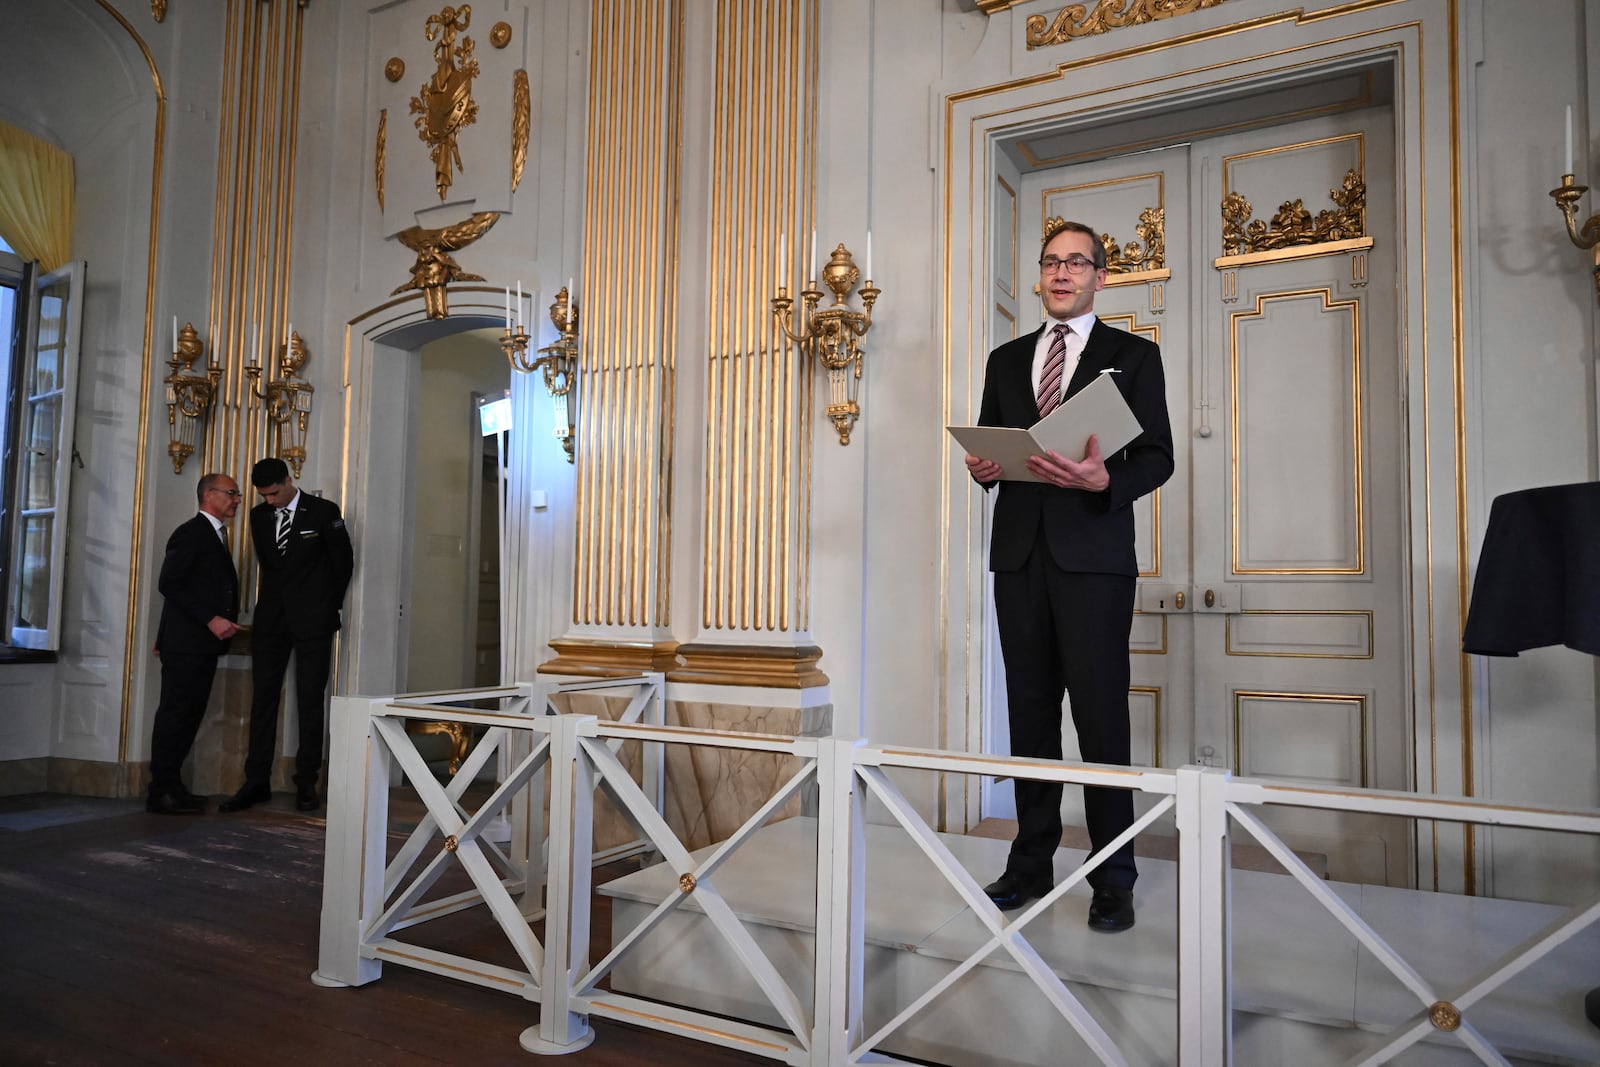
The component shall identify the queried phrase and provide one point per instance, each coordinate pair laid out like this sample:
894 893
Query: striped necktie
282 533
1050 380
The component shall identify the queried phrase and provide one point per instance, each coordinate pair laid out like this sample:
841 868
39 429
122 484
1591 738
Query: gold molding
1076 21
521 122
601 658
500 34
1360 700
158 10
444 105
394 69
146 372
1359 458
762 666
434 267
1283 255
1156 715
1010 290
379 156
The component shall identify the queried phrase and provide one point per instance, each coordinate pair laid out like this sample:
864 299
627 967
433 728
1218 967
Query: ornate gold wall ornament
833 334
189 396
395 69
500 34
521 120
158 10
1566 196
434 267
286 400
379 155
1293 224
1444 1015
1077 21
444 106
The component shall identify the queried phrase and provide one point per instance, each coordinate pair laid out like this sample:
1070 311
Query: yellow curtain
35 197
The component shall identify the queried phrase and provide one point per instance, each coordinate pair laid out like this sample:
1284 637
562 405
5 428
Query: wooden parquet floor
130 939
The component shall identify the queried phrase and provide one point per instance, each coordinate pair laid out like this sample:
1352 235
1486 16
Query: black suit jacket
197 584
302 588
1087 532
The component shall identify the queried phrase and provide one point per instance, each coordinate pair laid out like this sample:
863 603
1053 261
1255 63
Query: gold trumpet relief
435 268
445 106
1293 224
1076 20
521 121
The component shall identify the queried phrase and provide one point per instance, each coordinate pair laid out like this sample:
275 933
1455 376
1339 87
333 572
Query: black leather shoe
1111 910
248 796
193 798
172 803
1011 890
305 799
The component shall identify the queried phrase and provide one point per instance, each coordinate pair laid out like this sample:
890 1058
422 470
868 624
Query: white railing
370 898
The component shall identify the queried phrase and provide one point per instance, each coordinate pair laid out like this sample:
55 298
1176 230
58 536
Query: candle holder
557 361
1587 236
286 401
189 396
832 335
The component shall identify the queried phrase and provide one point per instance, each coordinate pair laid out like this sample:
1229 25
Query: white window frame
47 636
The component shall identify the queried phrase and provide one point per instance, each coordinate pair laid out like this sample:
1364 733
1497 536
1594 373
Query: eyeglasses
225 492
1073 264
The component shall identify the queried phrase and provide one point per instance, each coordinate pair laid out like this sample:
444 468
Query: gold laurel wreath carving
1147 253
521 119
1076 20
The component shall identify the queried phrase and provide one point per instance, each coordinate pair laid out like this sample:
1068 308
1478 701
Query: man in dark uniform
1062 554
200 603
306 561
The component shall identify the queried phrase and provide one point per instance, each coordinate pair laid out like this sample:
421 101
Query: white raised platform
1305 991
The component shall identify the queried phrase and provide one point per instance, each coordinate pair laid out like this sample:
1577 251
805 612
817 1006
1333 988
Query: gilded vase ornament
1076 20
445 105
521 121
1293 224
434 267
380 153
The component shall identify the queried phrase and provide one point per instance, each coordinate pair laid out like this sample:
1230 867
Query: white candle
811 274
519 303
783 260
255 333
869 255
508 309
572 290
289 337
1569 169
174 333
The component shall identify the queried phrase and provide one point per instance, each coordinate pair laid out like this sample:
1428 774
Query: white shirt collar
294 502
216 523
1082 325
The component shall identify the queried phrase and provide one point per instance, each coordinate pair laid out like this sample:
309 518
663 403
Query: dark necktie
282 534
1050 380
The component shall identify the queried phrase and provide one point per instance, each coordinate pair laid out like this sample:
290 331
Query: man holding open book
1062 553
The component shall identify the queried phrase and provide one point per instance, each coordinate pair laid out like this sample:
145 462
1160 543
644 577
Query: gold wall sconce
189 396
1566 196
286 401
1587 236
832 335
558 361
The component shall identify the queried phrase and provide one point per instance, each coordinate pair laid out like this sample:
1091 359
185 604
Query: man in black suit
306 561
200 603
1062 554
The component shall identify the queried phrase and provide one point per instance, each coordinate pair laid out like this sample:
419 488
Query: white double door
1270 634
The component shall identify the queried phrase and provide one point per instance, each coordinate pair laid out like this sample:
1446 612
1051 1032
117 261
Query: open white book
1097 410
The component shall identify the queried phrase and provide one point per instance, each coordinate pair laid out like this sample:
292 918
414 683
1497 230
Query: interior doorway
452 632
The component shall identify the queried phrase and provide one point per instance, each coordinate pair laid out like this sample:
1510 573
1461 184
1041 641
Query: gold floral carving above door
445 105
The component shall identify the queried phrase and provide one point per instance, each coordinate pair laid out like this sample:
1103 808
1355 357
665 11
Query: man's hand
1088 473
221 628
983 470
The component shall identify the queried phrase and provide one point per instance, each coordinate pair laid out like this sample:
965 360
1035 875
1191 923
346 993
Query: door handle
1179 600
1211 598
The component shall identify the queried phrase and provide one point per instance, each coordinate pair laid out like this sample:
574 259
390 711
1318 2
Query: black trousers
185 688
1067 632
269 663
